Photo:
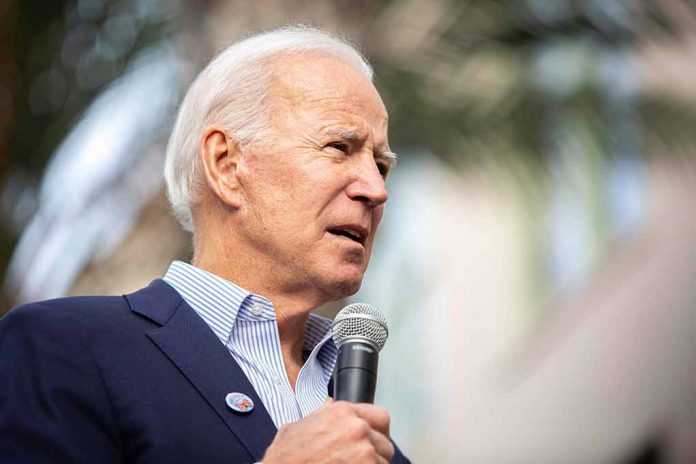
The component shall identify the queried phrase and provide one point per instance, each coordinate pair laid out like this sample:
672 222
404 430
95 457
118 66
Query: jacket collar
190 344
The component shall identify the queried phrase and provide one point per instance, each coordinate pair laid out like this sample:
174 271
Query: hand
339 432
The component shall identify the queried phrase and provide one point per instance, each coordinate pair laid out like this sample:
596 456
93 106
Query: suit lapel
190 344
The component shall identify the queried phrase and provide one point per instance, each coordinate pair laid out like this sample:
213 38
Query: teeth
352 234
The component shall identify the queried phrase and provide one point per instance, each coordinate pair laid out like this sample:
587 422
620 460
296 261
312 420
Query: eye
340 146
383 167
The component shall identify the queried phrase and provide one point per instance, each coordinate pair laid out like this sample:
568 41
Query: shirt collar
221 303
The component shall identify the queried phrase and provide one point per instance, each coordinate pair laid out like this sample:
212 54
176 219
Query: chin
342 286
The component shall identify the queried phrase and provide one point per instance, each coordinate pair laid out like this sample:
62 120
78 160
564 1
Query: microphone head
360 322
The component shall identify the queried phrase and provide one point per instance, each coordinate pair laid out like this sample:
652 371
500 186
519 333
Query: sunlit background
537 262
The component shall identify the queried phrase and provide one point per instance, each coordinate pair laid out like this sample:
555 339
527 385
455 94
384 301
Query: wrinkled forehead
317 78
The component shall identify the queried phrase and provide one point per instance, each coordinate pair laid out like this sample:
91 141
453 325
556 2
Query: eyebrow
354 136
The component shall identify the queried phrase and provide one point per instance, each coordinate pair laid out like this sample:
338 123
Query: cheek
268 185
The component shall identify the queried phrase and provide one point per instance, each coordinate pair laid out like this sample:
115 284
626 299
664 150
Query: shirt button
257 309
276 379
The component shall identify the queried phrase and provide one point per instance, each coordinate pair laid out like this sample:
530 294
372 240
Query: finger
382 445
377 417
328 401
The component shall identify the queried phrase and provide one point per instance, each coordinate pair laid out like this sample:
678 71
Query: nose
367 184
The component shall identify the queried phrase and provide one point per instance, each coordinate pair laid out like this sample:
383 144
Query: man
277 164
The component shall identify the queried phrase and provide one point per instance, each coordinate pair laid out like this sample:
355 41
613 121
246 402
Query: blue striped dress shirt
246 324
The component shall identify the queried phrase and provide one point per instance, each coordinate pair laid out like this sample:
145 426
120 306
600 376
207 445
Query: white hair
232 91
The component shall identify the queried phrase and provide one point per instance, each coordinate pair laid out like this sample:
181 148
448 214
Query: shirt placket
279 377
274 371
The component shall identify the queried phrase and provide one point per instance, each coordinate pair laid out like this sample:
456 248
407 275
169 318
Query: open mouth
350 234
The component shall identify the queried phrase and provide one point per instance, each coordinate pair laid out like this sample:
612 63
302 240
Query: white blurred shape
99 178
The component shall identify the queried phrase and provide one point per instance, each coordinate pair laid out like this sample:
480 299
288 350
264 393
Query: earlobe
219 157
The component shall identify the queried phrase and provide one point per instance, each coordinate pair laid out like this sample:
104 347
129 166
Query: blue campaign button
239 402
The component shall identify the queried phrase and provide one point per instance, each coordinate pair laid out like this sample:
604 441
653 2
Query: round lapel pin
239 402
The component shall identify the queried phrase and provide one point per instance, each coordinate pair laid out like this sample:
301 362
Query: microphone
359 331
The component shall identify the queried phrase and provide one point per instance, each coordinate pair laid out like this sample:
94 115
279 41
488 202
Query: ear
219 157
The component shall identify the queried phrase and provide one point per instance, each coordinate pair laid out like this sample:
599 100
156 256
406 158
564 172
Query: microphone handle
355 376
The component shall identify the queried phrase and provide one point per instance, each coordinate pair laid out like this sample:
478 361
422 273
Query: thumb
328 401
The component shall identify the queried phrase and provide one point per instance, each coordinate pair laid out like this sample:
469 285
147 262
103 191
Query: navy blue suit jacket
139 378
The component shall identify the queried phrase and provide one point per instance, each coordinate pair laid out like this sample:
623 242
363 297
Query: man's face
314 190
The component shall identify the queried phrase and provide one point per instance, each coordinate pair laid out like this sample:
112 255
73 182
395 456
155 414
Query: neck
229 257
291 308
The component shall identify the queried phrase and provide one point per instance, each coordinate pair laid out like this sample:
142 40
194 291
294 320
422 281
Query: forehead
319 82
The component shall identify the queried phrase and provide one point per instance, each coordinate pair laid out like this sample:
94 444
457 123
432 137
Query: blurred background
537 260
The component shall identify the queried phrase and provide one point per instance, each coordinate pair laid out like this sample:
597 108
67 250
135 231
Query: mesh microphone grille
360 320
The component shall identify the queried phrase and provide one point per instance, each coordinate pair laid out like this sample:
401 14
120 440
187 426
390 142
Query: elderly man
277 164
